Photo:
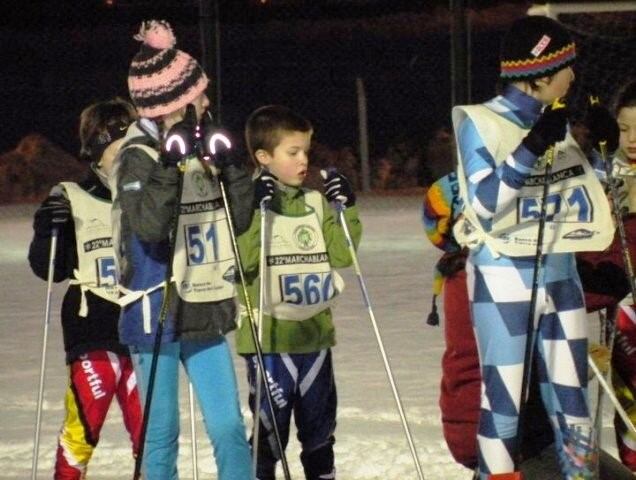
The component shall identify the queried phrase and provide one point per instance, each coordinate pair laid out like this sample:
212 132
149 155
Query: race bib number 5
306 288
569 205
106 272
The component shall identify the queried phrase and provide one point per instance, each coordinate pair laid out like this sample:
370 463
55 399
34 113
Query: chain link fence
326 59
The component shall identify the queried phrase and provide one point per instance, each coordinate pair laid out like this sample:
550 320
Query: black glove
550 128
218 146
264 187
451 263
55 211
602 127
180 140
338 188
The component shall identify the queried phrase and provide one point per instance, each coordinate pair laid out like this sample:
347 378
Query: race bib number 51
201 243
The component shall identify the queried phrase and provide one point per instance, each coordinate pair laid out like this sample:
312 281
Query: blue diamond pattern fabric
500 302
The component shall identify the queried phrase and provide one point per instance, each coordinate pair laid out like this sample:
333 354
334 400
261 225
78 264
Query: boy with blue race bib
502 146
303 245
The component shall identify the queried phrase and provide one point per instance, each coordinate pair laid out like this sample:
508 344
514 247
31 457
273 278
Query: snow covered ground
397 263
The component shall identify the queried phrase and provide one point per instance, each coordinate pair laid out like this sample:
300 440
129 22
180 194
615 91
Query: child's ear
543 82
262 156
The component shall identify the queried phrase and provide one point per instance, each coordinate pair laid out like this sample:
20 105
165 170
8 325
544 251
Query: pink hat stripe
166 79
159 110
162 79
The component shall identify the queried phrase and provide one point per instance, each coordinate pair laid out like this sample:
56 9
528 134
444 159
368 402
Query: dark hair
266 125
96 122
626 97
502 84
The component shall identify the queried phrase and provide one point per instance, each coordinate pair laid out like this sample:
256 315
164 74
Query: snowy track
397 263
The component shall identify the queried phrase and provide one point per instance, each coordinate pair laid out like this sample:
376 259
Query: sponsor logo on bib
200 184
305 237
579 234
230 274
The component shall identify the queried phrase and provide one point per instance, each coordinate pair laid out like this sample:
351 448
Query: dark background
59 56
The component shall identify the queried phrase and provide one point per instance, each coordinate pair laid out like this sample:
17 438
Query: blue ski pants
302 384
499 293
211 371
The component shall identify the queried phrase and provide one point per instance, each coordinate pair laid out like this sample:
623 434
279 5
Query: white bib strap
131 296
83 310
468 236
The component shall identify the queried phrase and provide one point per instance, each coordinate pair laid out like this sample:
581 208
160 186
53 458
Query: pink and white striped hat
161 78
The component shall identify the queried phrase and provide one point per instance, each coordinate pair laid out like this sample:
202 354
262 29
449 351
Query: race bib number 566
306 288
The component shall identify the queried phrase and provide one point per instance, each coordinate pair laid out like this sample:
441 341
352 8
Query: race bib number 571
569 205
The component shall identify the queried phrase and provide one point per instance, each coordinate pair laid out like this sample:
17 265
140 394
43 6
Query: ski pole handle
594 100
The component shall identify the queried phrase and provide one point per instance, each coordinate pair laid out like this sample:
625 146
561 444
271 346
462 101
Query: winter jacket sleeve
491 188
240 193
335 239
147 193
249 244
40 250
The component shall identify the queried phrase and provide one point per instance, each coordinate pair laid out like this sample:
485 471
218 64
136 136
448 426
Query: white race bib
300 281
577 212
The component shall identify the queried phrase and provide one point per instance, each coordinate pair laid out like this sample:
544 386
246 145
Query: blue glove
338 188
180 141
264 188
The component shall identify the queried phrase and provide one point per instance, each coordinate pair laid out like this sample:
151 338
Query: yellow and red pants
94 379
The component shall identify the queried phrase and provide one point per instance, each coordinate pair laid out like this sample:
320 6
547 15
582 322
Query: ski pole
193 434
356 265
261 305
538 258
217 137
597 420
612 396
45 336
618 218
163 314
257 345
622 234
629 272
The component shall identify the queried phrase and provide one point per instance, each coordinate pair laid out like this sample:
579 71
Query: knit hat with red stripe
535 47
162 79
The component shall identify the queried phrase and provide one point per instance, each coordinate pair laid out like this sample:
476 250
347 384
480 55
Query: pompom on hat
535 47
161 78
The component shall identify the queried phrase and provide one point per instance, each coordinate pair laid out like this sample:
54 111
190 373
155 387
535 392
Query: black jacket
147 197
98 331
